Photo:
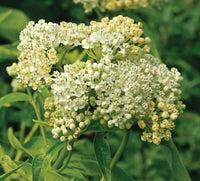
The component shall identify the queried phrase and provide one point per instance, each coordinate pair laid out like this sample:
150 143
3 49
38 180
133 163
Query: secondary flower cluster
117 5
39 44
119 85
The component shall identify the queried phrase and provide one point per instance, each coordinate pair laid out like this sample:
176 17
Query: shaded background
175 31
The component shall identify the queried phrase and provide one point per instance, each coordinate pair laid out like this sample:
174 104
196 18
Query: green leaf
102 153
119 174
174 160
12 22
9 52
5 14
13 97
34 145
86 166
15 142
5 175
42 160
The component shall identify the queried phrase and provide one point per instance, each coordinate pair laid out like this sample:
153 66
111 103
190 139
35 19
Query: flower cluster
39 44
117 5
119 85
38 50
118 95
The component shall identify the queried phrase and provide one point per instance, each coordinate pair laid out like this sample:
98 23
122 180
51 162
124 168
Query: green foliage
102 153
9 29
175 162
13 97
9 52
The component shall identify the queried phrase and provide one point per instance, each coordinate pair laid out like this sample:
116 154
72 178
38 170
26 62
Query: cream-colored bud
87 122
110 124
164 123
161 105
70 138
65 131
69 147
106 117
154 118
96 75
71 121
165 114
94 117
47 114
174 116
104 76
55 135
100 66
128 116
62 138
141 124
103 111
81 124
155 126
72 126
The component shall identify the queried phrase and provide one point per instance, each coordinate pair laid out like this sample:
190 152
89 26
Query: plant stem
83 53
100 16
37 112
120 149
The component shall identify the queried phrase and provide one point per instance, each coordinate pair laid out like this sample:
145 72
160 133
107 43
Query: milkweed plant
115 83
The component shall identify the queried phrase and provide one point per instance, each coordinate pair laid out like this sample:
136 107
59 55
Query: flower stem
37 112
83 53
120 149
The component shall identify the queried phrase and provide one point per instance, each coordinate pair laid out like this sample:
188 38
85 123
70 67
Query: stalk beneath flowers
37 112
121 148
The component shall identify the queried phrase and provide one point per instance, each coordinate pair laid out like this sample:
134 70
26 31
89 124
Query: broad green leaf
42 160
119 174
34 145
86 166
15 142
174 160
13 97
5 175
5 14
12 24
9 52
102 153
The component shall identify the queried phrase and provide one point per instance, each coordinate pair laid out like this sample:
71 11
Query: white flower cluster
38 50
39 43
118 94
117 5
